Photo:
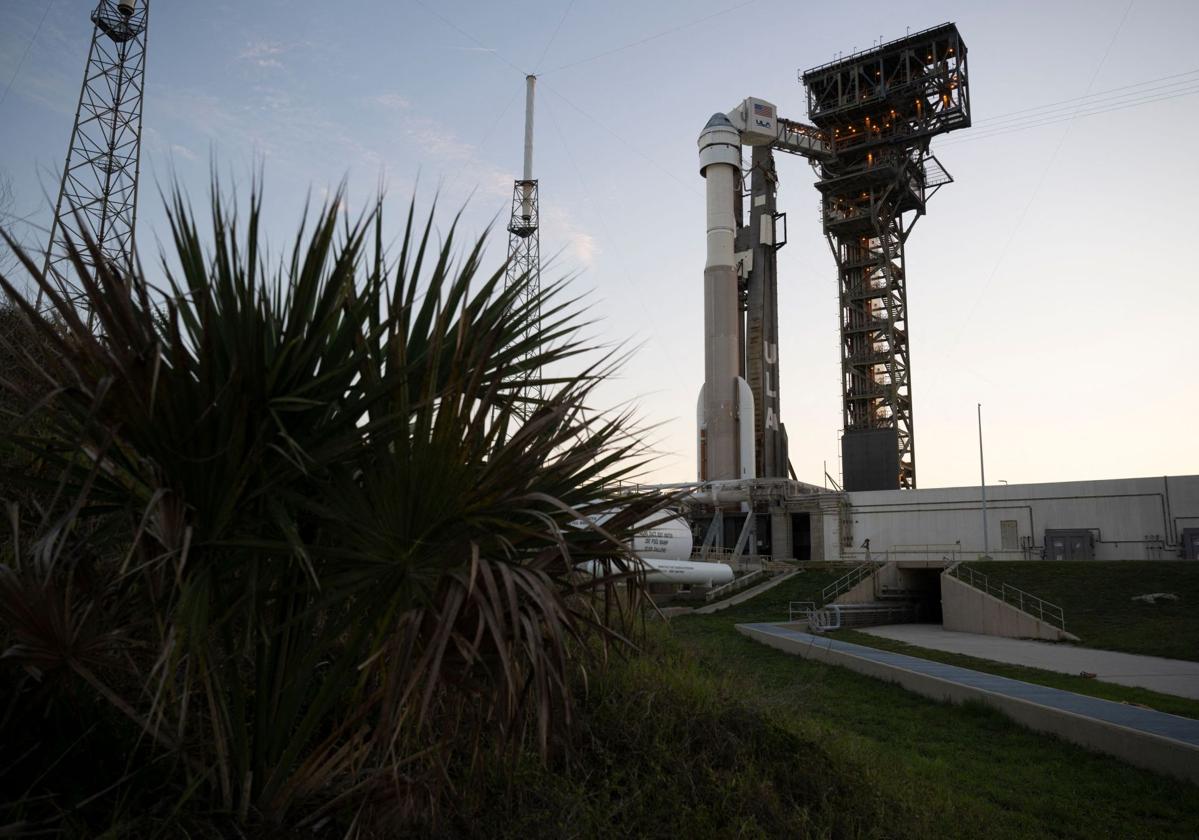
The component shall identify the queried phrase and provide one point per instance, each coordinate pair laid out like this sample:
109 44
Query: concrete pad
1169 676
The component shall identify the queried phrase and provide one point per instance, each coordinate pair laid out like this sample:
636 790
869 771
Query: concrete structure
1120 519
1143 737
970 610
1168 676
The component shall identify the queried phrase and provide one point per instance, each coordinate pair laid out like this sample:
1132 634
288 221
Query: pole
530 80
982 473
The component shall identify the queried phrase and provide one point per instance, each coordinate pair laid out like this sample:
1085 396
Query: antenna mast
524 246
97 197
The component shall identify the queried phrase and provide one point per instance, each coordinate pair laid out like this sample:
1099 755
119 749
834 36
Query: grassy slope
1097 599
1068 682
952 771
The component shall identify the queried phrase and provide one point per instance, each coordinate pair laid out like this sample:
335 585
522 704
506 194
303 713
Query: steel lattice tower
880 109
97 198
524 241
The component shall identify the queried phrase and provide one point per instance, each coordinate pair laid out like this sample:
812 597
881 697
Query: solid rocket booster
726 397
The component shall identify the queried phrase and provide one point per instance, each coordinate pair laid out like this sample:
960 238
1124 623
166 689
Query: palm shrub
310 544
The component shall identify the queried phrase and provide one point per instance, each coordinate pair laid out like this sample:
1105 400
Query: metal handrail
848 580
1026 602
803 608
834 616
734 585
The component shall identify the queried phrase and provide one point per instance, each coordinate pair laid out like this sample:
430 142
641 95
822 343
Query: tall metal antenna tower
524 242
97 198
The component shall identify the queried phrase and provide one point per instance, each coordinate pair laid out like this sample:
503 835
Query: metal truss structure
97 198
878 110
760 240
524 261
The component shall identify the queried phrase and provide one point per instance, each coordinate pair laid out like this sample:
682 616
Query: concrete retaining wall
863 592
971 610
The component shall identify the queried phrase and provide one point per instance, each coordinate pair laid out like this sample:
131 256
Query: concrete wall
971 610
864 591
1131 519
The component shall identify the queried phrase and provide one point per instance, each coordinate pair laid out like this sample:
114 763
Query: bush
311 546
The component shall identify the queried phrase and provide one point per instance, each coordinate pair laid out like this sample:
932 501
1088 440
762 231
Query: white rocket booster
725 409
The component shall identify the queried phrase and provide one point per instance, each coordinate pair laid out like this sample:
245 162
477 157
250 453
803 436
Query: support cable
25 54
499 56
1037 189
553 35
653 37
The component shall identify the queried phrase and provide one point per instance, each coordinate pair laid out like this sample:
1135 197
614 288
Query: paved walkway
1145 737
1169 676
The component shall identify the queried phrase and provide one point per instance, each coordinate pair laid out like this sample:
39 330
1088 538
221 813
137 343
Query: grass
1168 703
1097 600
941 770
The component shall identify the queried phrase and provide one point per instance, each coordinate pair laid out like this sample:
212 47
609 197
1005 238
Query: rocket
725 410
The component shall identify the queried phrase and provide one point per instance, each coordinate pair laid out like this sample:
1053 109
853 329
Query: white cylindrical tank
669 540
665 535
664 547
673 571
126 7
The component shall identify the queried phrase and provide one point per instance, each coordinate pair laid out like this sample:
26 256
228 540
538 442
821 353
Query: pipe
982 480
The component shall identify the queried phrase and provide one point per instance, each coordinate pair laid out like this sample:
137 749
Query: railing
848 580
725 555
802 609
838 616
735 585
931 552
1018 598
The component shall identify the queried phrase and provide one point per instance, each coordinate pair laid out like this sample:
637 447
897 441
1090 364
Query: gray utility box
1190 543
1069 544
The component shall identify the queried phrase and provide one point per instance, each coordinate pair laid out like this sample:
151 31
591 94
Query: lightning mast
97 197
524 242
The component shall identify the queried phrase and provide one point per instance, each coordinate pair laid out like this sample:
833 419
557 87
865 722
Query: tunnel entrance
922 589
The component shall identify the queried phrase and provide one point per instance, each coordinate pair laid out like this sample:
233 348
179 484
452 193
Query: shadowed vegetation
287 546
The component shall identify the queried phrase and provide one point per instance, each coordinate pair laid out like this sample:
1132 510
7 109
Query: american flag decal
761 110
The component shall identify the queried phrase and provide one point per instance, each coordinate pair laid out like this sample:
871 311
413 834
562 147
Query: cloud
561 234
183 151
266 54
392 102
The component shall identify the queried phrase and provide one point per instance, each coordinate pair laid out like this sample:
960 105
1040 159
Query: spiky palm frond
330 545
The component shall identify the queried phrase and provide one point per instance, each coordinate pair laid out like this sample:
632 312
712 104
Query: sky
1052 282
